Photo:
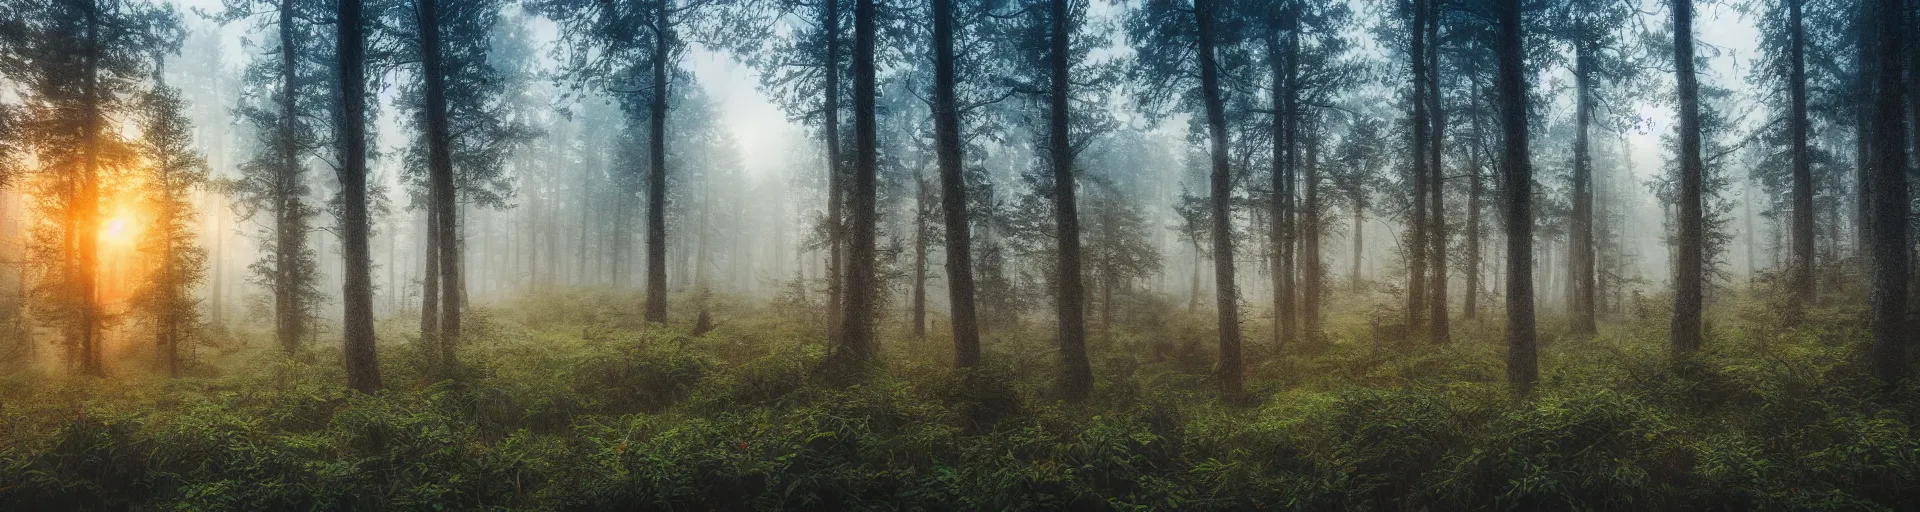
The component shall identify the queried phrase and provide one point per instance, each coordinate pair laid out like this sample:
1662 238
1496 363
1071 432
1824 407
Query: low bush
581 411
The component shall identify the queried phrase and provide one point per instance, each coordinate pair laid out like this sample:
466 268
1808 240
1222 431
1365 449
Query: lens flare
116 231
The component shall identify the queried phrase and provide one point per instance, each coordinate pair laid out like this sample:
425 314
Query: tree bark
1580 240
920 227
1312 275
440 178
953 190
1417 243
656 311
1282 53
430 279
1801 273
1076 374
856 326
1888 295
1231 372
1438 328
1517 189
86 204
836 172
1864 83
1475 190
363 367
1688 286
1359 240
289 230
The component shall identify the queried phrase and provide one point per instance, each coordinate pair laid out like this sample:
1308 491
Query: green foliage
577 411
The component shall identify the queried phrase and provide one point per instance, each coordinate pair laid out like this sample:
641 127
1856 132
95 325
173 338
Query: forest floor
566 403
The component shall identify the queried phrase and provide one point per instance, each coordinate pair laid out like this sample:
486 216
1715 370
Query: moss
566 405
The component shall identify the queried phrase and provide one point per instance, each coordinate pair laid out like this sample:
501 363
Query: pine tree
80 64
1887 298
1689 268
173 169
363 366
1522 361
286 80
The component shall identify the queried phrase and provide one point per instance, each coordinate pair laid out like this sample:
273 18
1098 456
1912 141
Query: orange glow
118 231
122 266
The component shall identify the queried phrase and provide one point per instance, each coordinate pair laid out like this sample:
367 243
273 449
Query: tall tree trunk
167 331
1475 190
1193 285
1359 241
657 166
1310 270
856 325
1688 286
953 190
1076 374
440 177
1417 243
1888 296
1802 271
836 173
430 280
1580 241
1517 189
86 204
587 210
289 228
1281 54
216 285
1437 185
363 368
1863 93
920 227
1231 372
702 240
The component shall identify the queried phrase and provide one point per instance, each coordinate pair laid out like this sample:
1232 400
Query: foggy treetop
1101 205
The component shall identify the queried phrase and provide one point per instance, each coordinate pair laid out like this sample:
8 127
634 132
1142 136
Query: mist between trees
1061 193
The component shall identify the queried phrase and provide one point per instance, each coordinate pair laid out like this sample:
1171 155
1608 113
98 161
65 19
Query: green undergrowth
568 402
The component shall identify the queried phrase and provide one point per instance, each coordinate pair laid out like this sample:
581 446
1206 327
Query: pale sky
765 135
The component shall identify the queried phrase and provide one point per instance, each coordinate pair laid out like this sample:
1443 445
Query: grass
567 403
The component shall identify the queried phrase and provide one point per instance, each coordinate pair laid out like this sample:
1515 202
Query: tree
1799 176
1802 253
285 82
1438 328
857 345
953 188
1357 162
1311 224
442 201
1689 269
1591 29
1076 375
802 71
1318 70
603 41
173 170
466 133
1283 59
1178 44
1522 364
80 64
1231 371
1887 297
363 366
1418 226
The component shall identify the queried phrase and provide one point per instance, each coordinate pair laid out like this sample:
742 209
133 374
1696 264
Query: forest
959 254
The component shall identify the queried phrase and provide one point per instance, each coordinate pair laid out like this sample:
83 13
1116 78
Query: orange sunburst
122 265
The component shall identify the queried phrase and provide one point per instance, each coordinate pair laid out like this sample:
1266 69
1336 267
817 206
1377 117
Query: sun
121 230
